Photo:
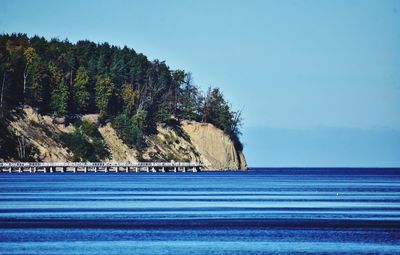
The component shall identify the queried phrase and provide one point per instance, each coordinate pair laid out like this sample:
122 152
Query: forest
66 79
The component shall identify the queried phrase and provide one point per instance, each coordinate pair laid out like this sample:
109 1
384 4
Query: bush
100 149
81 148
86 143
89 128
128 131
8 142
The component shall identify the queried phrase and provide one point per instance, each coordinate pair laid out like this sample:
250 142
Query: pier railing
51 167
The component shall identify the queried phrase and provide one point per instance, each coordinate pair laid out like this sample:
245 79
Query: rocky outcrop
187 141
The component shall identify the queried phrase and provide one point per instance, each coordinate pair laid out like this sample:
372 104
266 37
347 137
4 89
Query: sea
260 211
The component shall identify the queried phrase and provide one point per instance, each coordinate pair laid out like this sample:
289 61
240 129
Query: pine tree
32 77
104 90
81 92
59 99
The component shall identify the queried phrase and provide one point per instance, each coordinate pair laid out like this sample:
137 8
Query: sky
318 81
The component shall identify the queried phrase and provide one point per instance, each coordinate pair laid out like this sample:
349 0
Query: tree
69 58
3 84
31 60
140 119
129 98
104 90
128 131
178 78
81 93
117 68
5 67
103 61
23 148
59 99
62 78
216 110
190 99
36 90
13 47
54 73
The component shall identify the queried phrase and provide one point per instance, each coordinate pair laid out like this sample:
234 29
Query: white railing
100 164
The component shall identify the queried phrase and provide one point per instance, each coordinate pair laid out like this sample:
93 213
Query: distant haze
318 81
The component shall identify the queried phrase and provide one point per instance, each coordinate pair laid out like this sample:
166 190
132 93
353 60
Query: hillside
189 141
88 101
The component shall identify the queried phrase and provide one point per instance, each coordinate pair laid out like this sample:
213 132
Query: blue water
263 211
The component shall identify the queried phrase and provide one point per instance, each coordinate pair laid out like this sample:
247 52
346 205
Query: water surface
257 212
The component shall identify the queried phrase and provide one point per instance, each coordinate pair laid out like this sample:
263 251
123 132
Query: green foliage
59 99
64 78
104 90
139 119
30 56
130 97
8 142
100 149
89 129
81 148
190 100
33 77
54 73
128 131
82 95
86 143
216 110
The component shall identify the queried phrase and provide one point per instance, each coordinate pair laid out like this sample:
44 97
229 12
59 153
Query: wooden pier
95 167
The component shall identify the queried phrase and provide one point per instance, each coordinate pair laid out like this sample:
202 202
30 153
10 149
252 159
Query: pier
96 167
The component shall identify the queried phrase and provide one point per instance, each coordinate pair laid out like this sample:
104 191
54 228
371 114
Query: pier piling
87 167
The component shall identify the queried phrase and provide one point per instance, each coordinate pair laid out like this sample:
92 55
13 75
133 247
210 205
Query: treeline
65 79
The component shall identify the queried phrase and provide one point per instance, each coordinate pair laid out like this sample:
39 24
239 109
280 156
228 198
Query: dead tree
22 148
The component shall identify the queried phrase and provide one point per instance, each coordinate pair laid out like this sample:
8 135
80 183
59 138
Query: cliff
215 148
186 141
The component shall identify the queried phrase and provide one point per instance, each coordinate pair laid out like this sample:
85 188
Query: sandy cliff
216 149
189 141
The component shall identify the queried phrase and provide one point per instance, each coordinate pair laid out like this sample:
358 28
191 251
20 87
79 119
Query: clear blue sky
319 80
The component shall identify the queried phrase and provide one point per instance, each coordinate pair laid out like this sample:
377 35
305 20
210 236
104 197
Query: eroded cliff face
216 149
120 152
189 141
41 132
